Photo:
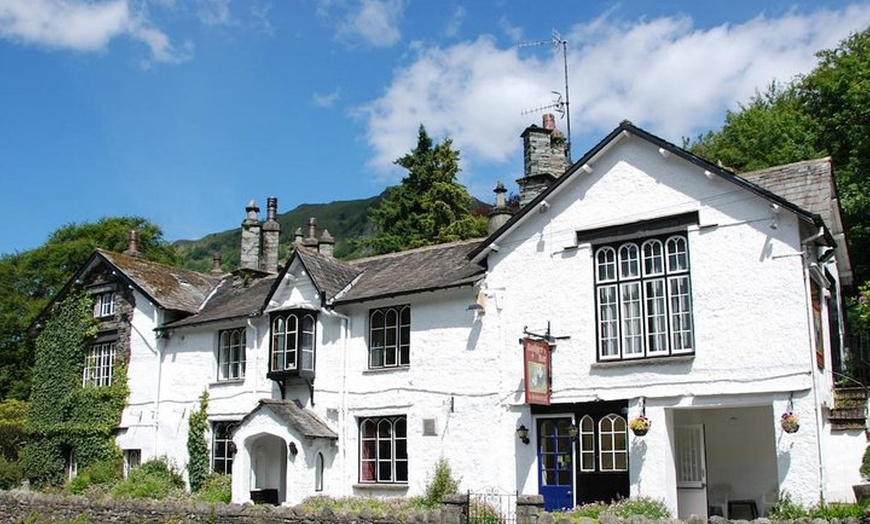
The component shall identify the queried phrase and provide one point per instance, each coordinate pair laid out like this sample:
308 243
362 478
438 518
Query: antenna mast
561 106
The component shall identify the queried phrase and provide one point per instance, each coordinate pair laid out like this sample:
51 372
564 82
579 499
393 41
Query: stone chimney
326 244
216 264
250 253
311 239
271 235
545 158
297 237
499 214
133 246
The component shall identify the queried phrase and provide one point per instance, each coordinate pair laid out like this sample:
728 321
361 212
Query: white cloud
83 26
455 23
513 32
664 74
369 22
327 100
214 12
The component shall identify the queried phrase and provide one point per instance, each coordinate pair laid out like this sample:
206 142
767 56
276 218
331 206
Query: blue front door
555 463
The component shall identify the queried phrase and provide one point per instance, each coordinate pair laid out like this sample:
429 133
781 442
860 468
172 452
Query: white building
657 284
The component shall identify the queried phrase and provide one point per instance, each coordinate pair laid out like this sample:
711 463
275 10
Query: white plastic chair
717 499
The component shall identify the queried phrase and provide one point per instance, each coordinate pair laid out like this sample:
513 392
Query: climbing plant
66 419
197 447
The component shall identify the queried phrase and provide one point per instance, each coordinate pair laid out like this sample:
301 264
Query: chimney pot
133 246
216 264
549 121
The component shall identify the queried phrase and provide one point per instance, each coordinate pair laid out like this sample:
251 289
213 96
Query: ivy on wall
197 447
64 417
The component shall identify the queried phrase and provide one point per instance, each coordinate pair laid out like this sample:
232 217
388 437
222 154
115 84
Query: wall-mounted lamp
232 447
291 447
523 434
573 431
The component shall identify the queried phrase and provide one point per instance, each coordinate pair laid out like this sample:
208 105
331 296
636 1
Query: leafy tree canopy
826 112
429 206
29 279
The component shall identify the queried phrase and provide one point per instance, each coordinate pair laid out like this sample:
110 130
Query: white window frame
386 446
643 298
390 337
105 304
231 354
99 365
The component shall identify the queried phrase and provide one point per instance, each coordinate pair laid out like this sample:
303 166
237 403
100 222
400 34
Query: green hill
345 220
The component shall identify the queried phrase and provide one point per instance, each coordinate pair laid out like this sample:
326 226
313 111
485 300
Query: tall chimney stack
133 245
499 214
311 239
250 252
545 158
271 236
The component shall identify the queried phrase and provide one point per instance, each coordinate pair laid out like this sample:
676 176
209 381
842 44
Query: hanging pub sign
536 364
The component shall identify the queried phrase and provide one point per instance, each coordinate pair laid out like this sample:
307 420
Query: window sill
228 382
377 371
655 361
383 487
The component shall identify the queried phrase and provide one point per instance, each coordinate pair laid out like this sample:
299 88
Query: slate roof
171 287
233 298
303 421
808 184
329 275
416 270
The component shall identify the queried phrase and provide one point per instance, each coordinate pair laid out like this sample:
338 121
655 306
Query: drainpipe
342 414
256 369
160 342
813 372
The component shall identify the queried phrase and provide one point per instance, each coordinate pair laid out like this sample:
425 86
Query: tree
826 112
429 206
28 280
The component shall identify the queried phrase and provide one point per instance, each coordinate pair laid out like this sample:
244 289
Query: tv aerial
559 105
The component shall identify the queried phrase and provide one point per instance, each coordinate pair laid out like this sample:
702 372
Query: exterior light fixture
523 434
573 431
232 447
291 447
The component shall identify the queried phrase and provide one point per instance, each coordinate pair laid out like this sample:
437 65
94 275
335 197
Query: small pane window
390 337
99 363
293 341
612 435
222 447
384 450
231 354
104 305
644 310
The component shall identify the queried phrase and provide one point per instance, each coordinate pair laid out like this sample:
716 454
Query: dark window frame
383 450
389 337
293 337
232 354
222 454
643 298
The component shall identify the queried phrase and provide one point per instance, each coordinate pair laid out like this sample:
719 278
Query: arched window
613 443
390 337
318 472
384 450
587 443
231 354
293 341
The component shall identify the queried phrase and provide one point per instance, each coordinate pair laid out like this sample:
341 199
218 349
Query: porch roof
300 419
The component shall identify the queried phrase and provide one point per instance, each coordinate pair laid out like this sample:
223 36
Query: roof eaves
453 285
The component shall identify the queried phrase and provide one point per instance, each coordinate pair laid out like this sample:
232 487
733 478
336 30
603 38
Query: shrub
441 483
216 488
652 509
865 464
10 473
154 479
354 505
787 508
102 473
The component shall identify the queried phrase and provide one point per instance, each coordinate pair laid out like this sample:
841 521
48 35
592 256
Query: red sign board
536 368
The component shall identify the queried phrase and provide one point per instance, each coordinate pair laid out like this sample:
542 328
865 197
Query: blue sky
183 110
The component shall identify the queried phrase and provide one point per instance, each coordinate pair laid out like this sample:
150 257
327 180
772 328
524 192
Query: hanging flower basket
789 422
639 425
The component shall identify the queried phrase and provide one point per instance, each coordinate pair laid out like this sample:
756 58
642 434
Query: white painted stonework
753 360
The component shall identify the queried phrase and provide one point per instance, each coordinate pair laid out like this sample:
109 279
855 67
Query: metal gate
491 506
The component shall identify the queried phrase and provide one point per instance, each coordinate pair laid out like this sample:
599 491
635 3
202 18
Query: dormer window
105 305
292 351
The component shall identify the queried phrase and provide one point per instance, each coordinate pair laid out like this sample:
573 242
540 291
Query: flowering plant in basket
639 425
789 422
